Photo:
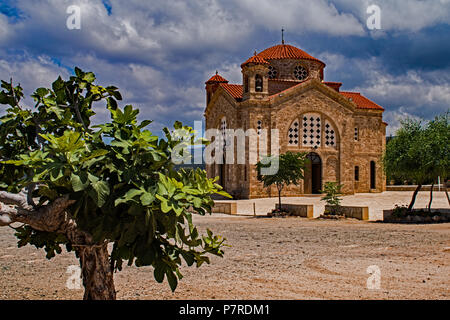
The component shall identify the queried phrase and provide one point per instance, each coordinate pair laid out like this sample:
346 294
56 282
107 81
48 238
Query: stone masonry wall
338 164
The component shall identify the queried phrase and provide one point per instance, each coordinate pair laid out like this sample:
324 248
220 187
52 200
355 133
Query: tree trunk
96 272
413 200
431 198
279 198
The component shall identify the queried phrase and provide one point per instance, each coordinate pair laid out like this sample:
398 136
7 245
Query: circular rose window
272 72
300 73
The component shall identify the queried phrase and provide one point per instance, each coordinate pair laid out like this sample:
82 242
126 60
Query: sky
160 53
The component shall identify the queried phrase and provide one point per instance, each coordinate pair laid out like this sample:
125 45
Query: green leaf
42 92
147 198
159 273
78 72
79 182
89 77
165 206
99 192
172 279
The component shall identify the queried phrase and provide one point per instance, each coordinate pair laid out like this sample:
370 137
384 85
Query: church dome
285 51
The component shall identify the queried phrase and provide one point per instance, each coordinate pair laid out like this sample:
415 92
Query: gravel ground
290 258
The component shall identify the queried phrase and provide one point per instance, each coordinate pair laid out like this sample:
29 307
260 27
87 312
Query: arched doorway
373 181
313 174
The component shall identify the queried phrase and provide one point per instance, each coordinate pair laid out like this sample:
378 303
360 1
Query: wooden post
254 209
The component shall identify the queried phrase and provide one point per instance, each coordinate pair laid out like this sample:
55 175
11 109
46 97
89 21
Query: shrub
332 191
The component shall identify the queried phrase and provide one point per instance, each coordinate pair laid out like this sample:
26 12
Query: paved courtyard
377 202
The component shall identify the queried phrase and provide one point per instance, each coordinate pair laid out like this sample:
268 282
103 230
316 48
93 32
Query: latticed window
312 130
294 133
223 129
272 72
300 73
330 135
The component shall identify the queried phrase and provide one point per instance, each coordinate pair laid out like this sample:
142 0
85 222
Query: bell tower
212 84
255 78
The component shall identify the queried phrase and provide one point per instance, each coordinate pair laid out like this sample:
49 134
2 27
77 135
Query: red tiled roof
361 101
256 60
216 79
285 51
235 90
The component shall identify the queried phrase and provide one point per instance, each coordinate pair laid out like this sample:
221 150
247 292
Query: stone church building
283 88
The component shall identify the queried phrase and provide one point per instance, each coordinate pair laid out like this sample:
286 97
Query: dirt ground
290 258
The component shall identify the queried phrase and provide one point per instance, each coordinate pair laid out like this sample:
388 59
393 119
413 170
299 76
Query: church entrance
373 175
313 174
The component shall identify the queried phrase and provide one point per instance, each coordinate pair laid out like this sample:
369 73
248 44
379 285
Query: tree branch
49 218
16 199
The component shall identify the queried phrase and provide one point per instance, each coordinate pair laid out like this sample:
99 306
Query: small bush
400 211
332 191
278 213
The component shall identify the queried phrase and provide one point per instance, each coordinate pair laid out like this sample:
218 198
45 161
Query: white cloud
411 90
300 17
411 15
4 30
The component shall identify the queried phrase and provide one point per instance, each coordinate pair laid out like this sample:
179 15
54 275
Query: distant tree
83 186
291 168
437 148
405 157
419 153
332 196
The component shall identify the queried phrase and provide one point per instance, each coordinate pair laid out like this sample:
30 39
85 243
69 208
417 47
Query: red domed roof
285 51
255 59
216 79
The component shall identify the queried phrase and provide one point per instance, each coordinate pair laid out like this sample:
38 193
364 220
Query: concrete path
377 202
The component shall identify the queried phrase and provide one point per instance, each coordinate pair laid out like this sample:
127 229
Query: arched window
258 83
245 83
356 173
293 133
